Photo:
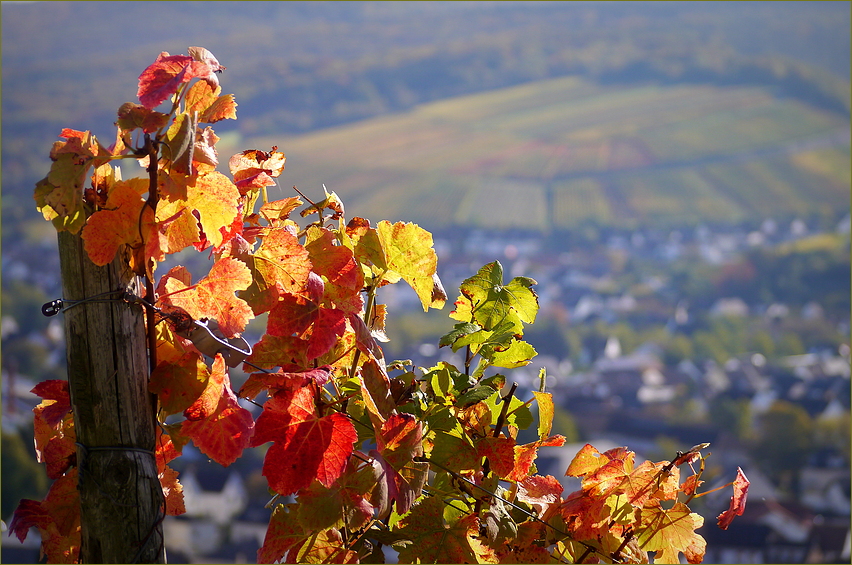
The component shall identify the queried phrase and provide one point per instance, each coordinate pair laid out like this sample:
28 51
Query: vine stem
151 202
504 411
368 316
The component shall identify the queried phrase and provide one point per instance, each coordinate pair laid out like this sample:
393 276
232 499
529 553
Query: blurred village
633 373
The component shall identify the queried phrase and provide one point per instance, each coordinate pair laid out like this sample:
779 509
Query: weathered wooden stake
114 414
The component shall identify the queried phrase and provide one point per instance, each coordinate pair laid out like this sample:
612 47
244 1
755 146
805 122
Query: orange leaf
208 400
172 492
224 107
282 259
212 296
279 351
216 198
587 460
106 230
526 454
179 382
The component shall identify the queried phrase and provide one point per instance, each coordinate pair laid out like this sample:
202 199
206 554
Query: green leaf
518 354
519 413
459 330
474 395
442 383
491 302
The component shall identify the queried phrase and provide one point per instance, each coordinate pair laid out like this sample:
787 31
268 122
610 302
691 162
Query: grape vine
362 453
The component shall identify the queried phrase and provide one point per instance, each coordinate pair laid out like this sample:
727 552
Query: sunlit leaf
738 501
211 297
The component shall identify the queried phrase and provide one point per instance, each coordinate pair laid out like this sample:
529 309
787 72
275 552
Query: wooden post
121 499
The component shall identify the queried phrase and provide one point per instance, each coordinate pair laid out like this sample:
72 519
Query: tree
362 452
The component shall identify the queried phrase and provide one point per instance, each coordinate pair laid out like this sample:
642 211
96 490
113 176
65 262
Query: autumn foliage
361 452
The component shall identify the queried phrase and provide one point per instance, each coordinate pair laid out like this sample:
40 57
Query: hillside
561 153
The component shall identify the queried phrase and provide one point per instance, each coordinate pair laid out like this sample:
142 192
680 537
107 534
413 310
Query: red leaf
224 434
162 79
28 514
305 445
53 426
401 439
58 392
738 501
292 315
330 325
282 534
258 382
500 452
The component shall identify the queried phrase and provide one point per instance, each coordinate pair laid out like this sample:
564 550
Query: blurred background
675 175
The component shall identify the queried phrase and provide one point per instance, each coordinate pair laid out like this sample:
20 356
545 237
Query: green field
559 153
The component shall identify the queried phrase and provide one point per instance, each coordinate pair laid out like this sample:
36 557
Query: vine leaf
135 116
336 264
56 401
544 401
172 492
436 540
280 261
179 382
525 456
305 446
208 401
59 196
343 503
400 439
408 252
282 534
211 297
491 302
253 169
53 426
669 532
57 519
738 501
163 77
292 315
223 434
540 491
279 351
216 198
325 546
258 382
118 223
328 327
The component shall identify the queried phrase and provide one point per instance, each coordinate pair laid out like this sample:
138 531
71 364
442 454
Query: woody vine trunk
114 414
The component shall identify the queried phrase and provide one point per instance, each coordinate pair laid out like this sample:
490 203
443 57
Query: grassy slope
557 153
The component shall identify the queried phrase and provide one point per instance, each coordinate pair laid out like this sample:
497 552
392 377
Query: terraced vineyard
559 153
